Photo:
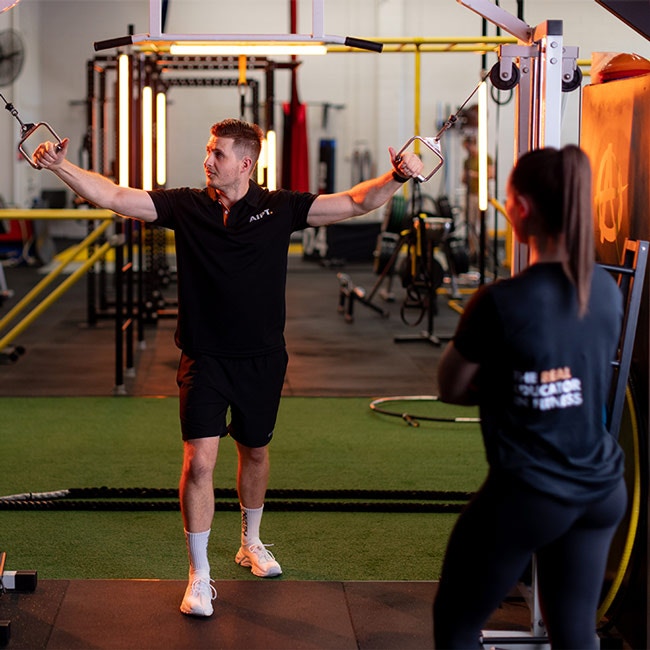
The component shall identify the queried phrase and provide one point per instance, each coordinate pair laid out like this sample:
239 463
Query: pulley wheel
572 84
504 84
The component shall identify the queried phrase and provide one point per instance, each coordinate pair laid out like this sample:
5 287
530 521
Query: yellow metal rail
478 44
466 44
55 214
70 255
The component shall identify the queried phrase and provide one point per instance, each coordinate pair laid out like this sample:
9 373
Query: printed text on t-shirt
547 390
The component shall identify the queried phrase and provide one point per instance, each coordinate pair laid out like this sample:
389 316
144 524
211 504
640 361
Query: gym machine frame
138 287
421 247
546 68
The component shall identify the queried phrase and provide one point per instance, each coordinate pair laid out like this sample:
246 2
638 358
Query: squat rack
141 267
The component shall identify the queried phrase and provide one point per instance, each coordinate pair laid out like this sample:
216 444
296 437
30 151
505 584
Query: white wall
377 90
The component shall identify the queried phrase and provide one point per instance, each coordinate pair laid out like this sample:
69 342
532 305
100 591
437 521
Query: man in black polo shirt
232 240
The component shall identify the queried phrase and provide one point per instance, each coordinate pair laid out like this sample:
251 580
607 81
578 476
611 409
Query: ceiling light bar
317 37
248 49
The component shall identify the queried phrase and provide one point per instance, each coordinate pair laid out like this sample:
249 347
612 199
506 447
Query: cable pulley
502 80
569 85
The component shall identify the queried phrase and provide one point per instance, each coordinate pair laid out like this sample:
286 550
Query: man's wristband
400 179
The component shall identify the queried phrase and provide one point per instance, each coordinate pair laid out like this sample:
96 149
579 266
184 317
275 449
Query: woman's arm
456 377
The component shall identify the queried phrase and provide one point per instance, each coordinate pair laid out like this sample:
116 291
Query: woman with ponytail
535 353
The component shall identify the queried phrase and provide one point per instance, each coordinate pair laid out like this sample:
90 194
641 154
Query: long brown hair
558 183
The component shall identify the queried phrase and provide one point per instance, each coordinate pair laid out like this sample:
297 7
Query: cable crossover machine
540 68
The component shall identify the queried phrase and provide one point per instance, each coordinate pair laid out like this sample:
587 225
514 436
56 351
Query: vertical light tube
161 139
261 163
417 107
482 148
147 138
271 164
124 88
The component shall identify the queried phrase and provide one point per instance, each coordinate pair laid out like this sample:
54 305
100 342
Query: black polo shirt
544 379
231 278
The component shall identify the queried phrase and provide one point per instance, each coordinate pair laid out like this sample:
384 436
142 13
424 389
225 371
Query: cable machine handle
433 144
27 131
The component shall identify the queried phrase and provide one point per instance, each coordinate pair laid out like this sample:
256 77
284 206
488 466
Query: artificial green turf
335 443
150 545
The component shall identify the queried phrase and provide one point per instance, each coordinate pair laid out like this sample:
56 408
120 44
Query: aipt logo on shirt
261 215
547 390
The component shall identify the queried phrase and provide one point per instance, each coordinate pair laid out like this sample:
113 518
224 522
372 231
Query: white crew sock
197 551
251 519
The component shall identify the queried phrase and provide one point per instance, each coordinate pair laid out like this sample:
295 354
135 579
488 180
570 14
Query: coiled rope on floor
411 419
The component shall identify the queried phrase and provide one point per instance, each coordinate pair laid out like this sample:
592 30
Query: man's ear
246 164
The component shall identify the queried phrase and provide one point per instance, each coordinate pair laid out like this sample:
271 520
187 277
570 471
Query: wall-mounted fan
12 55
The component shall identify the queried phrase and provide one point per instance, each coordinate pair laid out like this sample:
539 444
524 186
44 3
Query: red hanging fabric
295 148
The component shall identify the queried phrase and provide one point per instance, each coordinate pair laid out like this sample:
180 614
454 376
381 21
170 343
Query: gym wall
375 90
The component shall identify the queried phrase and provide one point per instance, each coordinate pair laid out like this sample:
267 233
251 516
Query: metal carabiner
433 144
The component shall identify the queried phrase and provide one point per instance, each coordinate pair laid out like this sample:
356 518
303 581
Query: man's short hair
247 137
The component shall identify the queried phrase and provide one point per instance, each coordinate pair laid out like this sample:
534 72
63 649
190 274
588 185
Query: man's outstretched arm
95 188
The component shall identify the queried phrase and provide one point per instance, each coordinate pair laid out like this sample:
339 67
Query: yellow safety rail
436 44
499 207
55 214
106 216
463 44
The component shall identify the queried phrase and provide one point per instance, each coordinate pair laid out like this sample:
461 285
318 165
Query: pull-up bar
318 36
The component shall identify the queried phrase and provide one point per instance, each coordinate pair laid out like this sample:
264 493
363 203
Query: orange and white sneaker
199 596
261 561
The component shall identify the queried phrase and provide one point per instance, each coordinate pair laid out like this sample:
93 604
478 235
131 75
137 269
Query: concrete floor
329 356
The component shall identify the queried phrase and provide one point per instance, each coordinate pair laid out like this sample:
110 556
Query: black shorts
250 387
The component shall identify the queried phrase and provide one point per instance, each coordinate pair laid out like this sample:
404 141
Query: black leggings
492 544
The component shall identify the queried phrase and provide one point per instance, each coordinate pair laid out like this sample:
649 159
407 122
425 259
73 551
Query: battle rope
326 500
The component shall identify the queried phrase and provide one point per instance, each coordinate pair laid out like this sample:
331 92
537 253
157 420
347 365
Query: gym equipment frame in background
142 270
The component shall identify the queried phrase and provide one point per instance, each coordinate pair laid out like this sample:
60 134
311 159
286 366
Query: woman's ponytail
558 183
578 225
